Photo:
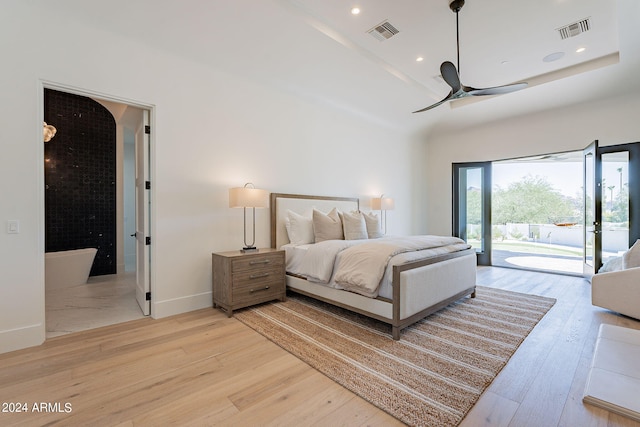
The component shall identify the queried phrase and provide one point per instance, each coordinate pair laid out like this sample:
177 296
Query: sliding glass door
472 207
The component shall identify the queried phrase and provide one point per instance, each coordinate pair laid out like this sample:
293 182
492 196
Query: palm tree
611 187
620 172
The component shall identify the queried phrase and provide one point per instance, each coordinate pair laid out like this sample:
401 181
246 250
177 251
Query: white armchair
618 291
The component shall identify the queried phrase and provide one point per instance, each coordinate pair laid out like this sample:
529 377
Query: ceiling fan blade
498 90
448 97
450 75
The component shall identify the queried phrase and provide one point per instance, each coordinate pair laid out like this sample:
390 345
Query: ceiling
501 41
318 50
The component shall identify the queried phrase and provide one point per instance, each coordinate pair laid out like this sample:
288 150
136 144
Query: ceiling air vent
383 31
574 29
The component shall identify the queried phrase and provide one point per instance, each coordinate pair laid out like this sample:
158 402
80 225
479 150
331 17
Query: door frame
459 192
592 159
47 84
142 214
633 148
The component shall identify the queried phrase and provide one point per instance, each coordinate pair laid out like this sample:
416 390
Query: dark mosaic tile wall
80 178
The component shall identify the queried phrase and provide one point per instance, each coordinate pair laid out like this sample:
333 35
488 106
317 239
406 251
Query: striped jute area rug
433 375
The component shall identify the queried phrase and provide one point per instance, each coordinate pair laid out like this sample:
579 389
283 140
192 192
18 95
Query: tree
474 205
530 201
620 207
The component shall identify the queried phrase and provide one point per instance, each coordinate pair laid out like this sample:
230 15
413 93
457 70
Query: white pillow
631 258
354 226
374 228
327 226
299 228
614 263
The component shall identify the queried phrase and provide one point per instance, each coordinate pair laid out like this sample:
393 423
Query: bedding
373 224
415 283
354 226
327 226
364 266
299 228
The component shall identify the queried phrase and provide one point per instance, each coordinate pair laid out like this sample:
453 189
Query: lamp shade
382 203
245 197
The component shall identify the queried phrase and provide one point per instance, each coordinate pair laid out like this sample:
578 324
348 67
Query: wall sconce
48 131
248 197
382 204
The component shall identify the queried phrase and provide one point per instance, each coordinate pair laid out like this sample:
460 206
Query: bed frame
420 288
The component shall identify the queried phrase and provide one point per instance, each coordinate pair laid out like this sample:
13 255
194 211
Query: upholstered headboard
301 204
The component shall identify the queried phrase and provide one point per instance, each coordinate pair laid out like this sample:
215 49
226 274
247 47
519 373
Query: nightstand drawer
248 278
257 262
258 292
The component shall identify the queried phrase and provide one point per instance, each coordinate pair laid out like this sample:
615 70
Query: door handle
134 234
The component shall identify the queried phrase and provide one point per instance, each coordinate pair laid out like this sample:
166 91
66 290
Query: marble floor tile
104 300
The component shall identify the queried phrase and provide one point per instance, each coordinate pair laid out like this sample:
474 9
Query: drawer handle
259 276
264 261
259 289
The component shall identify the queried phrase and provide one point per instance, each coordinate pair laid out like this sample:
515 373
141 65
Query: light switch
13 226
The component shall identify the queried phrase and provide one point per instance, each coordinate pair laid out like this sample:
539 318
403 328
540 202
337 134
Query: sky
565 177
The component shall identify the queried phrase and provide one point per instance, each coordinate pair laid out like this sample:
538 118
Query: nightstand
244 279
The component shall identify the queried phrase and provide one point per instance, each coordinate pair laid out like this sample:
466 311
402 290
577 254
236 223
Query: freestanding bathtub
68 268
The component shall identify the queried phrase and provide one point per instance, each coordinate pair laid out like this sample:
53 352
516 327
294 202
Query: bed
416 286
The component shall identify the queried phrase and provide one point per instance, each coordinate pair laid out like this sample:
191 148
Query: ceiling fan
451 75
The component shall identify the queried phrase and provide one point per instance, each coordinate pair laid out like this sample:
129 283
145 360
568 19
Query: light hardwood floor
202 368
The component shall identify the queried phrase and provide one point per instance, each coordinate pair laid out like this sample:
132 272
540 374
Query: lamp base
249 249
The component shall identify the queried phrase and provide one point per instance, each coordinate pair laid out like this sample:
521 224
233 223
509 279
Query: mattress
296 255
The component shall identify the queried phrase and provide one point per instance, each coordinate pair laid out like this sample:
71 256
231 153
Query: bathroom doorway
97 195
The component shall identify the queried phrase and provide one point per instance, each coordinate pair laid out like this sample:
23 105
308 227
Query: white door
143 285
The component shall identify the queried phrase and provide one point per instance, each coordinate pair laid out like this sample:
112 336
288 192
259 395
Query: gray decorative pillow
327 226
354 226
374 228
631 258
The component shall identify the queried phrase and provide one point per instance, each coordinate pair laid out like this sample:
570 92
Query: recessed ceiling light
355 11
419 59
553 56
581 49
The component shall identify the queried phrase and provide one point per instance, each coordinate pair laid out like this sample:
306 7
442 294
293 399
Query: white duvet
361 266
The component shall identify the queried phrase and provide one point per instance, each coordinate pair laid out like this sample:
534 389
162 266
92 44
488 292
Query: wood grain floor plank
491 411
202 368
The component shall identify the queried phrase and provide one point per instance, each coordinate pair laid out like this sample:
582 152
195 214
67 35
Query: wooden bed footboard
423 287
420 288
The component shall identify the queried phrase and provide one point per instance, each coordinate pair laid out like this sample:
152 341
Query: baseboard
160 309
19 338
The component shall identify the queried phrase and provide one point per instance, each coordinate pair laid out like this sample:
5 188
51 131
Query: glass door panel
472 207
615 204
592 202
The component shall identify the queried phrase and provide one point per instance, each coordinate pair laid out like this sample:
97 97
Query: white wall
210 131
614 121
